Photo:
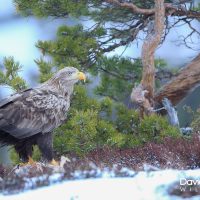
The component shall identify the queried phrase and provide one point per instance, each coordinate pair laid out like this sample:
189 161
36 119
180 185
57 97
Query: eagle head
65 79
69 75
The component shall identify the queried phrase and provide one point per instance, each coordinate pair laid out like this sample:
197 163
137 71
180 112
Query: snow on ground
150 185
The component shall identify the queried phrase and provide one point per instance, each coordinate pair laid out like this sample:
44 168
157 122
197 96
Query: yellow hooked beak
81 76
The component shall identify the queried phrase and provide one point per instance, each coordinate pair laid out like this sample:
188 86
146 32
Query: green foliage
87 127
131 141
155 128
137 131
84 132
81 101
9 75
117 75
196 8
106 108
160 63
58 8
127 121
45 70
79 134
95 124
107 135
73 46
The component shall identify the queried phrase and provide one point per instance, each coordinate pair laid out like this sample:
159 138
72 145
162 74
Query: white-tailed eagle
28 117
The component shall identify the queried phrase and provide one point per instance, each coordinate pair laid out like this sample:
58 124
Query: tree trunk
179 86
143 94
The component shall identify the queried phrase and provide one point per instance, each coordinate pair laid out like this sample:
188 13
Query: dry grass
172 153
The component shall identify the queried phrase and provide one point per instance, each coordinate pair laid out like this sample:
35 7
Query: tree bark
179 86
143 94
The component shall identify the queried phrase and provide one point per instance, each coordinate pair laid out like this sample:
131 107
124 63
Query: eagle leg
45 144
25 151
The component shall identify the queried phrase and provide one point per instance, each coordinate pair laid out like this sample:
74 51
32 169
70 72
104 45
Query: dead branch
133 7
169 8
182 84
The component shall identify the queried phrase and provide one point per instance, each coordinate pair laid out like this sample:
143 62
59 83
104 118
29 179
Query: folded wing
31 112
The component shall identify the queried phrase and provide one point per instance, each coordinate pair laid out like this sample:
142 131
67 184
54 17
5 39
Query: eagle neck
59 88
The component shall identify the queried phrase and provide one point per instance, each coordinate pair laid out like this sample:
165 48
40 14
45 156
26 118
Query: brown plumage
28 118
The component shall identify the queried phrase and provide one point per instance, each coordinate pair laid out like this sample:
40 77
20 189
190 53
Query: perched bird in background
28 118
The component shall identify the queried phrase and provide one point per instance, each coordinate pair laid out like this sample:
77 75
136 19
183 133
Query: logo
189 185
189 182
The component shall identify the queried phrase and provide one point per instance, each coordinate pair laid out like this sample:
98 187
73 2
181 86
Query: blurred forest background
19 38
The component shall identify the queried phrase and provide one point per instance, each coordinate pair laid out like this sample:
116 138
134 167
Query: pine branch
169 7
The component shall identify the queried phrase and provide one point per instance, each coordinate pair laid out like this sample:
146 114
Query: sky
18 36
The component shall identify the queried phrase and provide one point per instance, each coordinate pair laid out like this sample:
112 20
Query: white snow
152 185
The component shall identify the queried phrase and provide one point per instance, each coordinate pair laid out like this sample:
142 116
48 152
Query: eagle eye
70 73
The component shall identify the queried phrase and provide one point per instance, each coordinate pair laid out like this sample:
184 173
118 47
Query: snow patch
150 185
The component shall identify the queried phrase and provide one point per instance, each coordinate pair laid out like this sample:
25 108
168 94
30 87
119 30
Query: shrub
156 127
84 132
89 129
107 135
127 120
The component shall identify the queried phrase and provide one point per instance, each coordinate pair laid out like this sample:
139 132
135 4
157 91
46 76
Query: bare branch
179 87
118 75
133 34
170 9
133 7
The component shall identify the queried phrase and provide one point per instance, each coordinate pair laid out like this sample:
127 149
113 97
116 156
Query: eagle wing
31 112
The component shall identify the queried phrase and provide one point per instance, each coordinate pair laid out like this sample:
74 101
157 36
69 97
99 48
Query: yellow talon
30 162
55 163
